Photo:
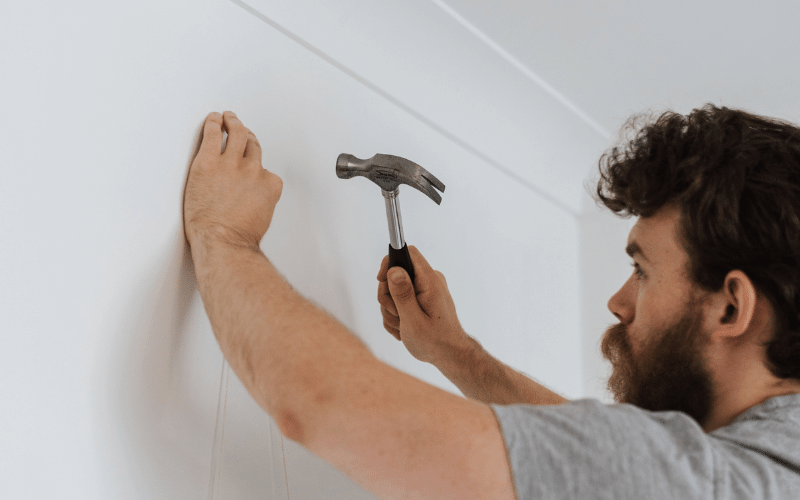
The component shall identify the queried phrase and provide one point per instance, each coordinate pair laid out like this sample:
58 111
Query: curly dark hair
736 178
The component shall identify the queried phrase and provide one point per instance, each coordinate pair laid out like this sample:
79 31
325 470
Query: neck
742 386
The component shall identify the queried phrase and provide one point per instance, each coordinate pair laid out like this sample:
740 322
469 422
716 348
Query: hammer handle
401 258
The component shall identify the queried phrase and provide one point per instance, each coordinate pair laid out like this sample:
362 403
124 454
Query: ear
733 307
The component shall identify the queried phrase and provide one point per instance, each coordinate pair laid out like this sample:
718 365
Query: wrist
459 359
217 238
212 249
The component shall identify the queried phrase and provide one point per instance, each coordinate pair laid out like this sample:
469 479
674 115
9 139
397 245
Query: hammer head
389 172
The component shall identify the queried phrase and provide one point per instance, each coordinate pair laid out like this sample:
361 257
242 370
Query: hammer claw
427 188
433 180
389 172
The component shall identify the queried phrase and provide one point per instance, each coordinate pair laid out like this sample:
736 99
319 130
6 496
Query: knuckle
389 328
276 183
384 297
389 312
403 292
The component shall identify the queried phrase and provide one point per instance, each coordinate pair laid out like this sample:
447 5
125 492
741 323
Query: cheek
652 303
635 340
649 318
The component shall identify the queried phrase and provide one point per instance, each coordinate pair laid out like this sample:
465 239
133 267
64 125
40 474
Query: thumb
402 291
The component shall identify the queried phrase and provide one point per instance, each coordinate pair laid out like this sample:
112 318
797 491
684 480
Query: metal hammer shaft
389 172
394 219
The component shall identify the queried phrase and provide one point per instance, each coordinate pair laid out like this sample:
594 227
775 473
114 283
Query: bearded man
706 355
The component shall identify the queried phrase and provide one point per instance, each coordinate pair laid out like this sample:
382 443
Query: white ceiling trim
571 106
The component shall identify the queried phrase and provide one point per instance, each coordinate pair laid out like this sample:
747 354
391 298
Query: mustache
616 348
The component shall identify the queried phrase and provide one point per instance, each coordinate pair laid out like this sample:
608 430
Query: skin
668 373
423 316
397 436
736 320
657 301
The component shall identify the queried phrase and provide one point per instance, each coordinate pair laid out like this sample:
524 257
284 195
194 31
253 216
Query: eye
637 271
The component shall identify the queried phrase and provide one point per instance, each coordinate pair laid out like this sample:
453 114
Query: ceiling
610 59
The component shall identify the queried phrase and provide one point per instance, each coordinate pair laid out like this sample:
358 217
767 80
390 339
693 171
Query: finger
237 134
402 292
384 268
212 135
392 327
385 298
394 331
426 277
252 149
390 317
441 276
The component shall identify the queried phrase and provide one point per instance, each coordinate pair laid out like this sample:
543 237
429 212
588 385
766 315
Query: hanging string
217 451
219 433
285 471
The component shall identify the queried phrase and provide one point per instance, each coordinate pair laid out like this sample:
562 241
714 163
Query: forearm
288 353
480 376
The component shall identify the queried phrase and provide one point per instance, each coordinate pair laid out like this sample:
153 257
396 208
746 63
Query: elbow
289 413
308 413
290 425
300 410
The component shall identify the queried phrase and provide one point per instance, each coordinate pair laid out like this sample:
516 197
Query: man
706 354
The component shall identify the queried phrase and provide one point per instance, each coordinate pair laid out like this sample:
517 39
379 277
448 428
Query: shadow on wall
160 381
159 425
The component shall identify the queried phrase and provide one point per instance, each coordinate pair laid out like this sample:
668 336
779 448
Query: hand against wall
229 196
423 319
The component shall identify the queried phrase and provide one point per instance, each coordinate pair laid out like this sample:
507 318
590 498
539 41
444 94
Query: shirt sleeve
587 450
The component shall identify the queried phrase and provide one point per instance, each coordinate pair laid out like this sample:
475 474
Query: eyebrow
633 248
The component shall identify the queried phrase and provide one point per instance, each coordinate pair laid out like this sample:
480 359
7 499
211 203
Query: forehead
655 238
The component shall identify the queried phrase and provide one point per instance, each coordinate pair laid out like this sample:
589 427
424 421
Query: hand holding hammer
389 172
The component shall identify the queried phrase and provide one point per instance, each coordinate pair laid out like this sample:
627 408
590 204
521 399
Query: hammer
389 172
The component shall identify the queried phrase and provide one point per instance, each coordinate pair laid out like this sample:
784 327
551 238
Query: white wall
604 267
111 371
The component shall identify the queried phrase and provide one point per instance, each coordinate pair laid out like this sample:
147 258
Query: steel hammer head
389 172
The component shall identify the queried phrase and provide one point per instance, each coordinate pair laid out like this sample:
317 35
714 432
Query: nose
622 304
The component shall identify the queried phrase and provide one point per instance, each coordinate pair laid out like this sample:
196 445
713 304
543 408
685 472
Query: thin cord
285 473
219 438
219 433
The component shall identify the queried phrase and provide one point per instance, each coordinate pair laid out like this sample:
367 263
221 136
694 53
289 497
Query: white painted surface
111 372
604 267
420 56
613 58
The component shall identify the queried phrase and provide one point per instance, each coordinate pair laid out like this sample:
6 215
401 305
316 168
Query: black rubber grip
401 258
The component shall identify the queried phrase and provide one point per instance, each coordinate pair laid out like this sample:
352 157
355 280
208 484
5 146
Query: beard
668 373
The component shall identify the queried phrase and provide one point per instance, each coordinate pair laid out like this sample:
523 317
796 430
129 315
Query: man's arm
423 317
395 435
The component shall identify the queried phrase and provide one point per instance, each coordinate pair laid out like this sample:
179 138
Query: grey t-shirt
585 449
